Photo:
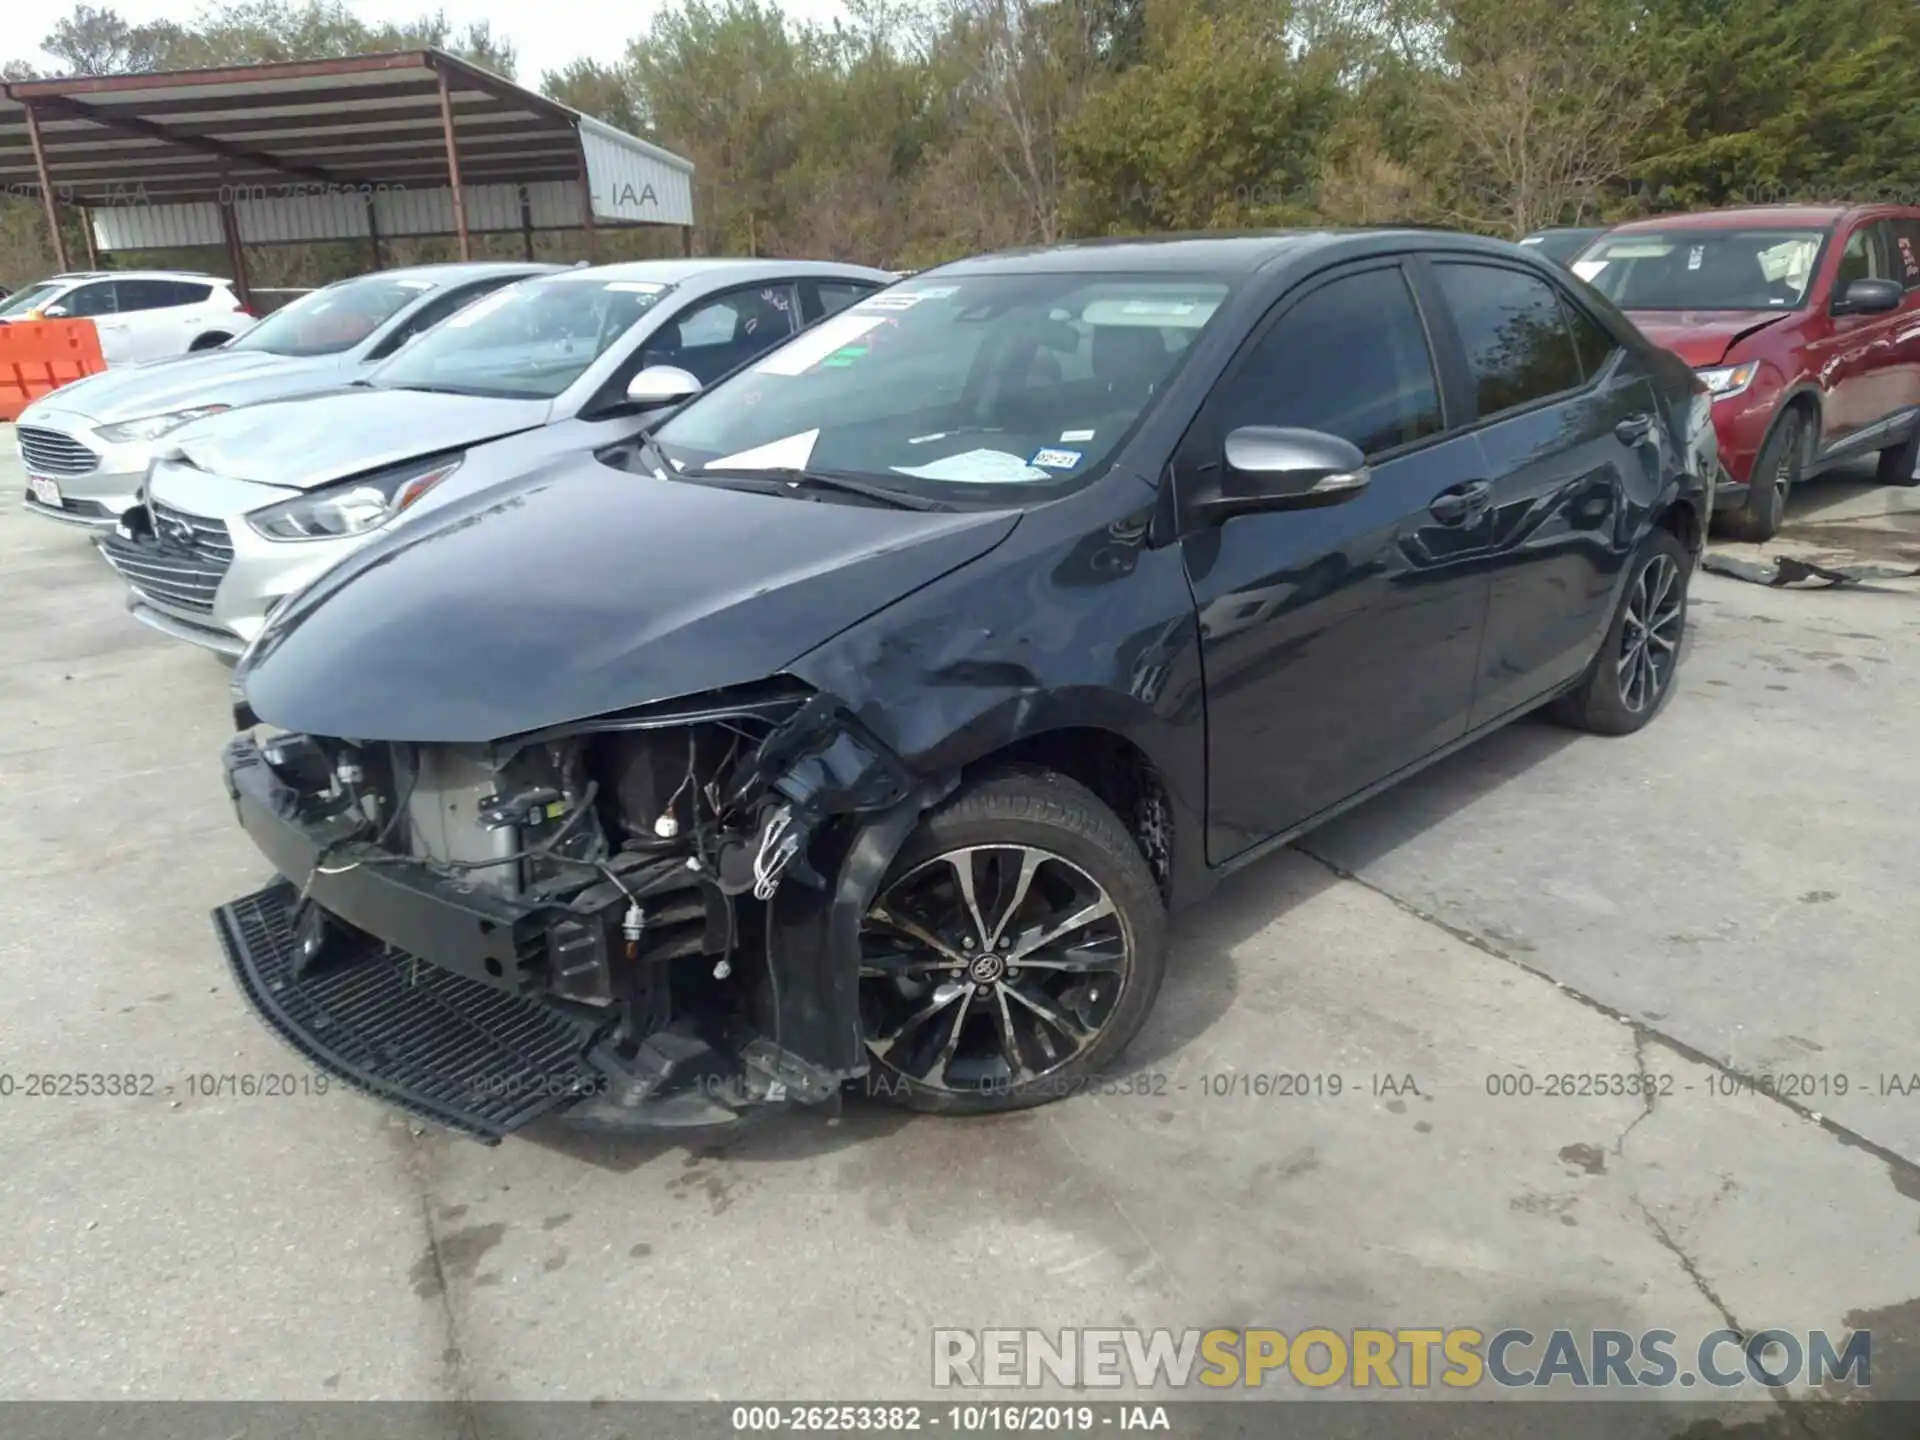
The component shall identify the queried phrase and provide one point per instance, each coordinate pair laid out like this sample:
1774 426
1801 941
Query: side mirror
54 311
1870 297
1266 467
662 385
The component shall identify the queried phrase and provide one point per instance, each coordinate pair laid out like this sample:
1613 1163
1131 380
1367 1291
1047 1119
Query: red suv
1804 321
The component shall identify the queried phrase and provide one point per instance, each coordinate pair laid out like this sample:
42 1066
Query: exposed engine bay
681 884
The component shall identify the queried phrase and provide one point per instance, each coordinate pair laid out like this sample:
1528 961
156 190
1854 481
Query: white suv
140 314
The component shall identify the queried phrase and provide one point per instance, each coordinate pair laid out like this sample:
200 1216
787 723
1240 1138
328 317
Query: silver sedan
86 446
246 508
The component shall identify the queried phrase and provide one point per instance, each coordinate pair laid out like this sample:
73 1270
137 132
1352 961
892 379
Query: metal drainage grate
439 1045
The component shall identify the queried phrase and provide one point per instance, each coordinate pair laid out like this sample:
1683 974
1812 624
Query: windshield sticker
1587 269
1158 307
1695 256
416 284
791 453
1055 459
843 357
887 300
977 467
935 292
923 439
1069 437
635 287
810 347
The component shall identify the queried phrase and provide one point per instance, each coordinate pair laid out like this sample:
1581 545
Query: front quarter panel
1076 621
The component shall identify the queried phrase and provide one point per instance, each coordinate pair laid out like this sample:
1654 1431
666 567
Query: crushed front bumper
437 1045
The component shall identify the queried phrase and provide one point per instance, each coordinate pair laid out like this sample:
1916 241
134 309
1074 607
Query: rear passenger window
159 294
1519 349
1906 244
1351 359
1591 340
836 296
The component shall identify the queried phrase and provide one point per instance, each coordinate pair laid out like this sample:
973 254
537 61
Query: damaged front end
645 920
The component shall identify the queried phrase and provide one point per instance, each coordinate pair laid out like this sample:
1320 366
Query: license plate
44 490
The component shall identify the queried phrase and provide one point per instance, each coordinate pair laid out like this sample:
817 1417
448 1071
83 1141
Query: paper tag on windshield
790 453
1695 256
977 467
1587 269
810 347
1056 459
890 301
635 287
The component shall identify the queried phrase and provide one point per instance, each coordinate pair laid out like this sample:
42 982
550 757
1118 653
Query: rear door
1338 643
1567 427
161 317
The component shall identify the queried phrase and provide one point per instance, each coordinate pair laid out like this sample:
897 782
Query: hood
1703 337
581 590
326 437
180 382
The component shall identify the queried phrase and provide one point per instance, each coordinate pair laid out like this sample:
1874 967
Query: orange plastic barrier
37 356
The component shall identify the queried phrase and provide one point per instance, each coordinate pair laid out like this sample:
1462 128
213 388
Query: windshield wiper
793 478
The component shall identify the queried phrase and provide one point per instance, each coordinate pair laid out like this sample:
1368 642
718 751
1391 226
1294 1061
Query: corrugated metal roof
301 148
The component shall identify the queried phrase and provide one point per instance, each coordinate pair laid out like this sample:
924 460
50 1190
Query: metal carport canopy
415 142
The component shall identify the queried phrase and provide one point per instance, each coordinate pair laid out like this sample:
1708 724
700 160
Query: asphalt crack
1904 1173
453 1354
1700 1281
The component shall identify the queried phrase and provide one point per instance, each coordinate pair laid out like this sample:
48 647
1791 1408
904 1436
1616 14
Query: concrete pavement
1725 898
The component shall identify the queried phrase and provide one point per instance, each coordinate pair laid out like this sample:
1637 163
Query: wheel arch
208 341
1119 772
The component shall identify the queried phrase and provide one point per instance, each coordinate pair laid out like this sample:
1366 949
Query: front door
1339 643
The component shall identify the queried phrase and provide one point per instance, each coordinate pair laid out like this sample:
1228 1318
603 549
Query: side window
1906 252
441 307
94 299
1592 341
1864 257
718 334
144 295
1514 333
1350 359
837 295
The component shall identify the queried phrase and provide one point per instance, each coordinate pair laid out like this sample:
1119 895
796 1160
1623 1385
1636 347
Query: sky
546 33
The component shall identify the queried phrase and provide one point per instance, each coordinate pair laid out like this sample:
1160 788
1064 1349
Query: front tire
1014 949
1776 470
1633 673
1898 463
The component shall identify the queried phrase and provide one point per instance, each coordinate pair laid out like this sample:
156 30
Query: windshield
995 389
527 342
334 319
1703 269
22 301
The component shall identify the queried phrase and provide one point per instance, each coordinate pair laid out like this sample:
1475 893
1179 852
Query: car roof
726 270
1789 216
1216 252
79 275
451 271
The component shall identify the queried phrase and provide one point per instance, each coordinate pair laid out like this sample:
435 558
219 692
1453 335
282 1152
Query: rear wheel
1014 949
1623 688
1898 462
1776 469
